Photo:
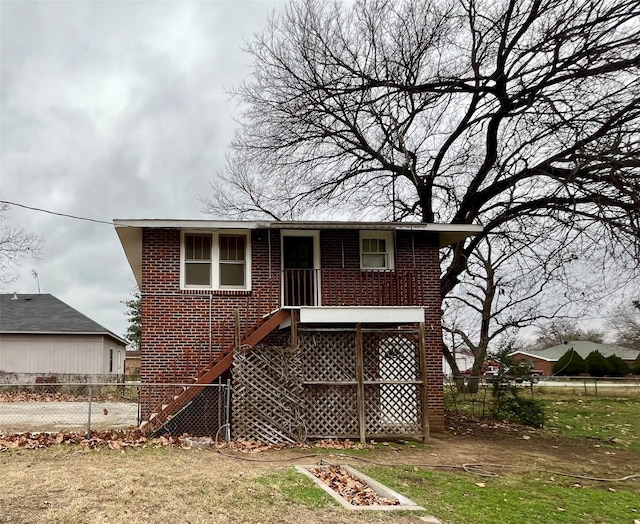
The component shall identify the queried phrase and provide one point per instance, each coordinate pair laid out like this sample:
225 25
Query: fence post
227 409
595 384
89 417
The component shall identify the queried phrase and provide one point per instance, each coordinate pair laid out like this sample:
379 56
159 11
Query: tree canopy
133 306
15 244
521 116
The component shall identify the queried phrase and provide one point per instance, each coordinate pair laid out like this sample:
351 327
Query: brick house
358 303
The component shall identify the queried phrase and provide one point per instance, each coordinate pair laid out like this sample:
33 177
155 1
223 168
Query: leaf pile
340 444
33 396
256 446
132 438
357 492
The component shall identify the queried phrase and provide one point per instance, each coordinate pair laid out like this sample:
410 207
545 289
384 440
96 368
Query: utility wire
54 213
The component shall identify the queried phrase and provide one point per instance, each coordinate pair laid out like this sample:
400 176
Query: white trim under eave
532 355
361 314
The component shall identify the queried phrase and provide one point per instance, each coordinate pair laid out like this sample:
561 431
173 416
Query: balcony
331 287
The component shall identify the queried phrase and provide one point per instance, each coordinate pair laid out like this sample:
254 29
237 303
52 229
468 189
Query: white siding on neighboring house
68 354
464 361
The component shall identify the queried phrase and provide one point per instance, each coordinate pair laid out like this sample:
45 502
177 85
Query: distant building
464 360
544 359
41 337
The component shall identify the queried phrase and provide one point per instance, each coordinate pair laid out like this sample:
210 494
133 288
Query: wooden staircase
209 374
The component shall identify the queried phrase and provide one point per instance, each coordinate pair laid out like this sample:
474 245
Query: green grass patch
533 498
609 420
298 489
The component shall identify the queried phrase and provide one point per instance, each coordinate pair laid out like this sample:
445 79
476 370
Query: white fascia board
188 224
532 355
361 315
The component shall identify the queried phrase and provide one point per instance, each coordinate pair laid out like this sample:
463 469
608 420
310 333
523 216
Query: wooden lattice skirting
346 384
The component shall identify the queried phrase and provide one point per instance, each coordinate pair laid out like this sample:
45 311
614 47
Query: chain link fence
80 407
479 389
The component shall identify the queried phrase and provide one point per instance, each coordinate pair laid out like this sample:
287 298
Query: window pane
197 247
197 274
374 261
232 247
374 245
232 275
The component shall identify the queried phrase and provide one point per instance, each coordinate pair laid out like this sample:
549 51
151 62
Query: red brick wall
184 329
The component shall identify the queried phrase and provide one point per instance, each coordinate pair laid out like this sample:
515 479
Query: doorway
299 275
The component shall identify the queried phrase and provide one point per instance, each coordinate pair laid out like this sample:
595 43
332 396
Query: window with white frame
232 261
197 260
376 250
215 260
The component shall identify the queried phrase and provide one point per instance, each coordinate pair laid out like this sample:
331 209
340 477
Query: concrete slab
18 417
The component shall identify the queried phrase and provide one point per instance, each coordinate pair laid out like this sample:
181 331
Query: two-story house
350 309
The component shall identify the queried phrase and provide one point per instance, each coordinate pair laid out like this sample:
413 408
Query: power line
54 213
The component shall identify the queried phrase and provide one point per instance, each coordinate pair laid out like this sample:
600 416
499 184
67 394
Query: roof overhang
130 231
108 334
532 355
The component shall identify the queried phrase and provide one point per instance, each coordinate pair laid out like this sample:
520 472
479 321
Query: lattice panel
328 355
268 400
391 356
282 394
393 409
203 416
332 411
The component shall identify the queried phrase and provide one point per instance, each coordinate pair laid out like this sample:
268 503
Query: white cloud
113 110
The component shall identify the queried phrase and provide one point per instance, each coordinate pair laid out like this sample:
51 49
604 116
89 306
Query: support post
360 375
423 371
295 315
227 409
237 328
89 416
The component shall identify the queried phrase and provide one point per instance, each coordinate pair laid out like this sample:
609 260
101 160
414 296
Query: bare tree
15 244
625 324
522 116
510 285
563 331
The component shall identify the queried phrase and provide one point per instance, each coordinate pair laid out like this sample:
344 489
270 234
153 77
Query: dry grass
150 485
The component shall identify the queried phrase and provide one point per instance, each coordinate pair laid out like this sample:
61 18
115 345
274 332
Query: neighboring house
464 360
41 337
544 359
342 318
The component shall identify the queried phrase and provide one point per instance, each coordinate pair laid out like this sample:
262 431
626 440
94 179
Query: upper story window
232 261
215 260
197 260
376 250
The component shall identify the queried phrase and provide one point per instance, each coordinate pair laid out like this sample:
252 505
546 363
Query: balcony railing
352 287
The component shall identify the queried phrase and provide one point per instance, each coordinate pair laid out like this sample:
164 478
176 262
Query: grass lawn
586 437
609 420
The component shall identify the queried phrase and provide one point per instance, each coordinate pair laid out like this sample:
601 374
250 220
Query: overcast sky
113 110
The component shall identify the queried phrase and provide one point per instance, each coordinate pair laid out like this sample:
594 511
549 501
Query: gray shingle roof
44 313
583 348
